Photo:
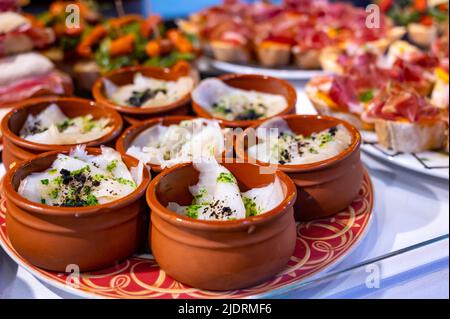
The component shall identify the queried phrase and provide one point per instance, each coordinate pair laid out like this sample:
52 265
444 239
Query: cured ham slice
343 93
8 5
29 74
311 24
401 105
18 34
54 83
406 122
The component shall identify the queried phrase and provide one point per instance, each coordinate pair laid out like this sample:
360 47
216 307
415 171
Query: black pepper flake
218 210
34 128
96 183
333 130
76 189
139 98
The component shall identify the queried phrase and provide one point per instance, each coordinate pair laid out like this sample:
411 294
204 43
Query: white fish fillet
213 91
269 144
82 129
175 90
116 181
170 145
217 195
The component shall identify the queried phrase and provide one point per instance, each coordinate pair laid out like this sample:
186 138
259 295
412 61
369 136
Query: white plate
287 73
429 163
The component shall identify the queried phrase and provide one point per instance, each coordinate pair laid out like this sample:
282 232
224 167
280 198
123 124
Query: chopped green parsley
250 207
64 125
325 138
85 169
125 181
112 166
226 178
91 200
54 193
366 96
192 210
99 177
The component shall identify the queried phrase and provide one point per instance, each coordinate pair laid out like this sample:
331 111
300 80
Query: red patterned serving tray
320 244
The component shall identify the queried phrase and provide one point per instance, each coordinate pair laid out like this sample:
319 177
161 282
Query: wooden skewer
155 27
156 32
119 8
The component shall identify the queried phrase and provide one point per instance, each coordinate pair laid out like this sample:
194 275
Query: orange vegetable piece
84 9
85 47
86 12
59 29
153 48
74 31
420 5
426 20
182 68
123 45
120 22
149 24
443 7
58 7
180 41
34 21
173 34
185 46
385 5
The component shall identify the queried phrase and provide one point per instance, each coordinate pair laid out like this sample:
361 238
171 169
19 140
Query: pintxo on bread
402 95
293 32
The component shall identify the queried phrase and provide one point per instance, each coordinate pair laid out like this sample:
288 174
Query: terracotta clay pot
17 149
324 188
252 82
131 133
4 109
135 115
89 237
220 255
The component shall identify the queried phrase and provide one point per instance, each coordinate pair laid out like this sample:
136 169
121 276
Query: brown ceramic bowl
89 237
18 149
4 109
324 188
220 255
253 82
124 76
131 133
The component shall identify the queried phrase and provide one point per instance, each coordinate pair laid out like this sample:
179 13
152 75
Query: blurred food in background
294 31
425 19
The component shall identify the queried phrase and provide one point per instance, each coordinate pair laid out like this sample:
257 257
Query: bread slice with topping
410 137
